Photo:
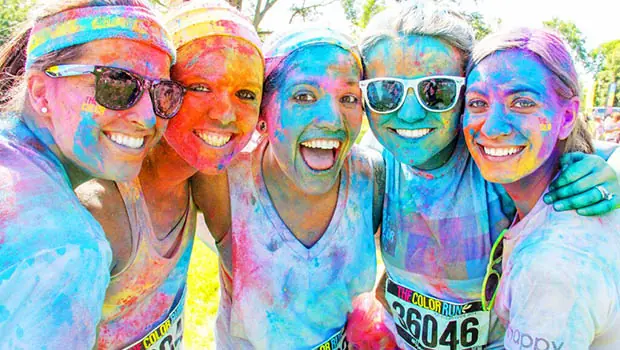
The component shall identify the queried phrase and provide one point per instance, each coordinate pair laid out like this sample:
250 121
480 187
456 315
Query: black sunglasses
119 89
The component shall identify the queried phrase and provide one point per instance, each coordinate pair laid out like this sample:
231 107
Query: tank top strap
137 211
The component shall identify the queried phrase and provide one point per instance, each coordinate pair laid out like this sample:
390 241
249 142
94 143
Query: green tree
606 61
477 21
574 38
361 15
12 13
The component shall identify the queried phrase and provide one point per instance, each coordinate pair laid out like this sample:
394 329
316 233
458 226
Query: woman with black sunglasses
77 110
561 271
151 221
440 218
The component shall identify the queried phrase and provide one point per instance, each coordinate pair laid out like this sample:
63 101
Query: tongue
316 158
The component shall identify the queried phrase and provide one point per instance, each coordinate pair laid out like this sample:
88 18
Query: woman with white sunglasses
440 217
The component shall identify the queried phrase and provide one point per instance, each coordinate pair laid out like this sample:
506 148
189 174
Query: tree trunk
236 3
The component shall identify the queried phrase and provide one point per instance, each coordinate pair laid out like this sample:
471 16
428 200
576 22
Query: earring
43 109
262 126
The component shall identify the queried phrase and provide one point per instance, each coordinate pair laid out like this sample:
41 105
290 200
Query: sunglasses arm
69 70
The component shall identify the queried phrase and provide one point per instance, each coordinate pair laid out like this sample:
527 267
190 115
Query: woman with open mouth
295 215
441 217
559 271
90 107
151 221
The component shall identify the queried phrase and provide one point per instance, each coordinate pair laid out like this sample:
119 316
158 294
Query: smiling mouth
214 139
319 154
125 140
501 153
413 133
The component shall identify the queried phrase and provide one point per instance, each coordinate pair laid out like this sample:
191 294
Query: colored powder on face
86 136
544 124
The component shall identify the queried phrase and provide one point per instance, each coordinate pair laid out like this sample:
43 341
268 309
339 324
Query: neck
527 191
164 171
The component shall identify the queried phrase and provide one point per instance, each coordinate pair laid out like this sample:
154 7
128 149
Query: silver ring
606 195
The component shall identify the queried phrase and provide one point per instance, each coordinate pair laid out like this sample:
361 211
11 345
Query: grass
202 298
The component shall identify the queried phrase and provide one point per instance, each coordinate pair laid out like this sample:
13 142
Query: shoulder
101 197
105 203
366 160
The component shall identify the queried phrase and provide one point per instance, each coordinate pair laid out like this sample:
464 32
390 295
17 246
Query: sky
599 20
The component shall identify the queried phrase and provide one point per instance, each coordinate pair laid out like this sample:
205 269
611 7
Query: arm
54 298
576 186
212 197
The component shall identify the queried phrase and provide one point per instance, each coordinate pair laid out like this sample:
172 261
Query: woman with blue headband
90 107
295 215
151 221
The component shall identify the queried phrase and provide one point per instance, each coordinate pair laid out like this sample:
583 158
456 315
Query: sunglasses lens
499 250
385 95
117 89
437 94
167 98
491 286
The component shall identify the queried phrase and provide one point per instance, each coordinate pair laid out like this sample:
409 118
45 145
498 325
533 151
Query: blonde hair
553 53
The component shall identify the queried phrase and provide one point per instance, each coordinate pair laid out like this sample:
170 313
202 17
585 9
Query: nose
328 114
496 124
223 110
411 110
142 114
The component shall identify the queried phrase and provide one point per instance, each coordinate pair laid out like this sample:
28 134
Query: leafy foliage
12 14
573 37
606 61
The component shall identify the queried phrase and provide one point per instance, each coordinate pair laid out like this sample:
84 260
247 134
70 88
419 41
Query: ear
569 118
39 88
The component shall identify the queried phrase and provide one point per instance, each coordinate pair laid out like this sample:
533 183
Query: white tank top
284 295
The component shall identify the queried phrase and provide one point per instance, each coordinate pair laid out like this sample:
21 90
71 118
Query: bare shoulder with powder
103 200
212 197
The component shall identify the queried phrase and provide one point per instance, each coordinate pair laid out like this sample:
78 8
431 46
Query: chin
124 174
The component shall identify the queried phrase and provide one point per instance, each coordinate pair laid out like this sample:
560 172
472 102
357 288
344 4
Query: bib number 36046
428 323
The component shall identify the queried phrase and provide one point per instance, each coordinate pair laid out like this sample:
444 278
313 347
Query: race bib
167 335
428 323
337 341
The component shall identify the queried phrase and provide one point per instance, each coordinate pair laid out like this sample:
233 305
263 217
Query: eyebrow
522 88
508 91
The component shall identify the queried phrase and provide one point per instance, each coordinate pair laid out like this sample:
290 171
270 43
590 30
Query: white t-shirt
560 287
285 295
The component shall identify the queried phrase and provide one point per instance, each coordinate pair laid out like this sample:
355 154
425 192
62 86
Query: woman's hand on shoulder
587 184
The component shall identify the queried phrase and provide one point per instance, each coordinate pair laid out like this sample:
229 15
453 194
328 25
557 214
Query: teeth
126 140
501 152
414 134
214 139
321 143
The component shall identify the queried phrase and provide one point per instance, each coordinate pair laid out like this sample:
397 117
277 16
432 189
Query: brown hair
13 52
554 54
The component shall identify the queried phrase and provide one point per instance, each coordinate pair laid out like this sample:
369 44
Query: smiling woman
150 222
296 216
560 271
64 129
